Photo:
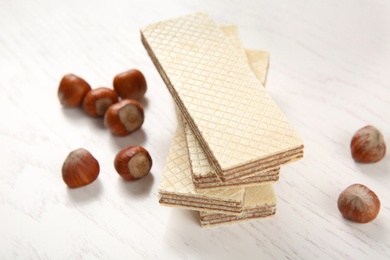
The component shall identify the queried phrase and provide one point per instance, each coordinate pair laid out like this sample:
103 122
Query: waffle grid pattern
177 180
259 202
256 199
237 120
258 61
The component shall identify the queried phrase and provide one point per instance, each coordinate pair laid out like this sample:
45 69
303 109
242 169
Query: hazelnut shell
130 84
124 117
97 101
368 145
80 168
72 90
133 162
359 204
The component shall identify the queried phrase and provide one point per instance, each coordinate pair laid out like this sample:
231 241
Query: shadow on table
87 193
136 138
77 116
190 239
144 101
137 188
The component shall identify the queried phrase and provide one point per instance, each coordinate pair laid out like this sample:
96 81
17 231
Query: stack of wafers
231 138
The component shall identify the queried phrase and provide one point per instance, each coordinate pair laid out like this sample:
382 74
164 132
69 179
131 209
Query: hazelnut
97 101
368 145
130 84
72 90
359 204
80 168
133 162
124 117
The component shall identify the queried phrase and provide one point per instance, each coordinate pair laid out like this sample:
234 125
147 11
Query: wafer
258 60
176 188
236 122
179 200
259 202
203 175
231 33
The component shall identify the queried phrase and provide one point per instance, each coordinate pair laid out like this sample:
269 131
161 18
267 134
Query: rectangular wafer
176 188
259 202
210 181
237 124
203 175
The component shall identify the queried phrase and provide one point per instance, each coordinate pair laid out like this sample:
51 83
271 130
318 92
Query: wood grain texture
329 73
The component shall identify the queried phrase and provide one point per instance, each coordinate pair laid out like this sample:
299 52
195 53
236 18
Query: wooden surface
329 73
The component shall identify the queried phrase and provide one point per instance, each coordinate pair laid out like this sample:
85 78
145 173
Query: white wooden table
330 74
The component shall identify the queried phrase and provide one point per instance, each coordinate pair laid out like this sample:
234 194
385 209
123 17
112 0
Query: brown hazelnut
124 117
368 145
72 90
359 204
133 162
130 84
80 168
97 101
